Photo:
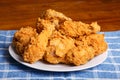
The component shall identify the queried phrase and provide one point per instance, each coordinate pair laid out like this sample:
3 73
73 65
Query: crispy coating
80 55
52 14
37 46
59 39
75 29
55 17
58 47
97 42
22 37
86 48
51 57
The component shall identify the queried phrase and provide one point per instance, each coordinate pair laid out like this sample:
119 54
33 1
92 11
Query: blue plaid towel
108 70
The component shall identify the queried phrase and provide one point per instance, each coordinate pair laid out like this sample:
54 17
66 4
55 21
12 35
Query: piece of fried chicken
97 42
55 17
37 46
58 47
52 14
22 37
77 28
80 55
86 48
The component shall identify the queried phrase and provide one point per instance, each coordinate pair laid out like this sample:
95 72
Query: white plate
59 67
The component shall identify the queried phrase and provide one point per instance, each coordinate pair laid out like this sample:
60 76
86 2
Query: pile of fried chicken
59 39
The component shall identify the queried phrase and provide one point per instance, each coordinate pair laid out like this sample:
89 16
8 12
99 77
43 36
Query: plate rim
76 68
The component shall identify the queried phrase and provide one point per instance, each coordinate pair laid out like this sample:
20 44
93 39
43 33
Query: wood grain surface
15 14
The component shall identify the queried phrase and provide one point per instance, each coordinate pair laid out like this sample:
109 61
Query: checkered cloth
108 70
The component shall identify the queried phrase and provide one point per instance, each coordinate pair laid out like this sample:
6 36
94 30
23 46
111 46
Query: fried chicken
52 14
80 55
86 48
59 39
55 17
75 29
97 42
22 37
37 46
58 46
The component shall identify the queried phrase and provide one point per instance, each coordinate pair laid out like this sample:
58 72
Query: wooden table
19 13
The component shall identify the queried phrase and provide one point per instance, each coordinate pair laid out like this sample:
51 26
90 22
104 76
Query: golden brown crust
58 39
22 37
75 29
86 48
37 46
58 48
52 14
